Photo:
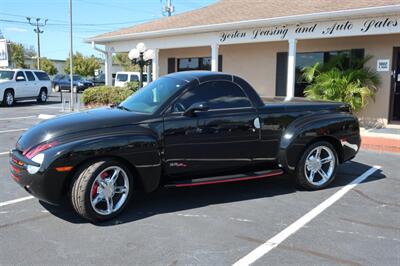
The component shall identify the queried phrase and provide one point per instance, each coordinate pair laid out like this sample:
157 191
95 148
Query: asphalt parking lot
210 225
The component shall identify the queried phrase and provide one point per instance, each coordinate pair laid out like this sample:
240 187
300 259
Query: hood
79 124
5 81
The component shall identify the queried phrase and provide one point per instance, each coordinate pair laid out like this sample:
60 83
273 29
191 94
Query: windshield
6 75
77 78
150 98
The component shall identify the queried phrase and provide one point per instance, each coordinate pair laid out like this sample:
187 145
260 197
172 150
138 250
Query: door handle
257 123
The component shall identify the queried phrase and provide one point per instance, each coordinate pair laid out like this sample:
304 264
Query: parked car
56 79
122 78
23 84
99 80
64 83
184 129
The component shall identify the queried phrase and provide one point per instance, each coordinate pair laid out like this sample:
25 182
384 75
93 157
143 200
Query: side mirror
196 107
20 78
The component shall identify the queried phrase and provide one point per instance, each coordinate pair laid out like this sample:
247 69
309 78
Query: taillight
30 153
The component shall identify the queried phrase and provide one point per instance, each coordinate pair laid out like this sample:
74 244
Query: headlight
37 159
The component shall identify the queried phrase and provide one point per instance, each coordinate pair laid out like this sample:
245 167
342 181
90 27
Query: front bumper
46 185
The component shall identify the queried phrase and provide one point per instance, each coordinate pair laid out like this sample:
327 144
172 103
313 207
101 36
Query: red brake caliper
96 185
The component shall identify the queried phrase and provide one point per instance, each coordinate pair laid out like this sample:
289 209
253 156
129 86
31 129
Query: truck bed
300 103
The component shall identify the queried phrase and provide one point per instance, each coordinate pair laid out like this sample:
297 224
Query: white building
267 42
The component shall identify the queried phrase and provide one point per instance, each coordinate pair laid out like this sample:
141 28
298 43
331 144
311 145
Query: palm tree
353 85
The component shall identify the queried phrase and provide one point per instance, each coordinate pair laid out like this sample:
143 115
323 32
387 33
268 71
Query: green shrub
132 85
354 84
105 95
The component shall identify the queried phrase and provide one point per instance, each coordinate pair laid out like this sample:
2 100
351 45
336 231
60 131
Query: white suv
121 78
23 84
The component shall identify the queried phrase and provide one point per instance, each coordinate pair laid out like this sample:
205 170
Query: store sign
382 65
356 27
3 53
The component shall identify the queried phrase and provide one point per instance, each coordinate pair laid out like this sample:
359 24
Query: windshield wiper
123 108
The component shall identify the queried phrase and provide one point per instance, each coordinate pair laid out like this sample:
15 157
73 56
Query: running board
225 179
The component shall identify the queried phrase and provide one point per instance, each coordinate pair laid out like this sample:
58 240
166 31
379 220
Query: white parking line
45 107
4 153
294 227
16 118
5 203
13 130
45 116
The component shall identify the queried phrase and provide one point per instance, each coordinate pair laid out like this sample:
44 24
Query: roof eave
391 9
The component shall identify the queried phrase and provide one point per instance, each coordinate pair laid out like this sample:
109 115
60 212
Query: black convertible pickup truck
184 129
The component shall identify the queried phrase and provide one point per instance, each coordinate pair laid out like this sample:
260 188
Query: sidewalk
383 139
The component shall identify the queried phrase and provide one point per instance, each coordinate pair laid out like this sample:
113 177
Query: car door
214 141
33 84
65 83
21 85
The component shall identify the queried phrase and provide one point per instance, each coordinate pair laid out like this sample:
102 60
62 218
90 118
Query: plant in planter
107 95
354 84
104 95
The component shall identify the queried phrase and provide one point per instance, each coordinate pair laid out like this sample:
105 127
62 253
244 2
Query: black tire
82 188
42 97
6 98
303 173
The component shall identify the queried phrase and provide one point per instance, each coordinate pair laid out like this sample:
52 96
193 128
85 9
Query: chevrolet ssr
184 129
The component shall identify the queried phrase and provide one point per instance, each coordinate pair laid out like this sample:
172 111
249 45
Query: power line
61 26
38 31
64 22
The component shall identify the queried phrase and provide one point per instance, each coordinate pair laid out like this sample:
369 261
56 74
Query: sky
90 17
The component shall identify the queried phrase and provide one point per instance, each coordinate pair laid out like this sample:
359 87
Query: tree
123 60
83 65
30 51
47 66
17 55
354 84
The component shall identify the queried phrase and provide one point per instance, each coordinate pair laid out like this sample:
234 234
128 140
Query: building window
194 63
306 60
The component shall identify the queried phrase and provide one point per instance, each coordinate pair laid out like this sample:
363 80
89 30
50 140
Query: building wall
379 47
256 63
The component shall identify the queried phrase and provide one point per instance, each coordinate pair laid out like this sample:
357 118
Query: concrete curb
380 143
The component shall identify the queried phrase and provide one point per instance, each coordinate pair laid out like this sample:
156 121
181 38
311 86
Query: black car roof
200 76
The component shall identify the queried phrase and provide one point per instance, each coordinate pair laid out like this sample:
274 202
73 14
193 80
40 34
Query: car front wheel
101 190
8 98
317 166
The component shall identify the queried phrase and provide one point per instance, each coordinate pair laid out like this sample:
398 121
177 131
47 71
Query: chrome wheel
9 98
320 165
109 190
43 96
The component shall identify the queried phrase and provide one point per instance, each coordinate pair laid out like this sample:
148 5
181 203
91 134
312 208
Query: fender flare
128 149
331 127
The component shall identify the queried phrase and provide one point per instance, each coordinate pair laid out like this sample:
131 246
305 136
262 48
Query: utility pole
38 31
168 9
71 55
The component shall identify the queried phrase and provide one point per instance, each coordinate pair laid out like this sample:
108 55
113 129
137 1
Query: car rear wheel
42 98
8 98
101 190
317 166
